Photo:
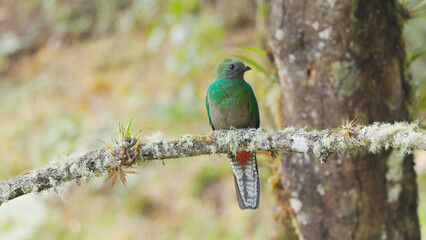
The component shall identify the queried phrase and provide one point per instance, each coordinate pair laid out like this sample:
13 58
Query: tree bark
338 60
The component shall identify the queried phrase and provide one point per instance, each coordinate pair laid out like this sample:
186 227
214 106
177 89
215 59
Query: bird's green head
231 68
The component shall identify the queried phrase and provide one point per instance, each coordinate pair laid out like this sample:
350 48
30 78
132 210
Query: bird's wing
208 109
253 107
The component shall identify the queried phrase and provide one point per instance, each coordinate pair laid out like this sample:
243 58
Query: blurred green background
69 70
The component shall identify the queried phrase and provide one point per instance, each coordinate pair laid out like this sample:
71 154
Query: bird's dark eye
231 66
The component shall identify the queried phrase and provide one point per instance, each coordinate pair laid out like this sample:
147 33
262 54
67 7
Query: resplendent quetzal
230 102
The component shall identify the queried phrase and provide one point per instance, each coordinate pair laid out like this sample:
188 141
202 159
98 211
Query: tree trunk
337 60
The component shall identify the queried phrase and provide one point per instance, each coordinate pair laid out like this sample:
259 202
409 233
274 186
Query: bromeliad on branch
126 151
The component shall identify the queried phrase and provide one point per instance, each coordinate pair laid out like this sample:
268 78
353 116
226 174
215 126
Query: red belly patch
243 157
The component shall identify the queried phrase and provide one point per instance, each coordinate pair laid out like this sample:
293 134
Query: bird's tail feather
246 178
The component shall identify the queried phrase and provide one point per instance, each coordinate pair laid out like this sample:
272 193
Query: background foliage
70 69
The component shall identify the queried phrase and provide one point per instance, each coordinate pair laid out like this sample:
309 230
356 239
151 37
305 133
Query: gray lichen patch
394 175
403 141
74 166
62 191
296 204
394 164
320 189
315 25
326 33
5 192
263 140
255 138
279 34
401 136
300 144
317 149
345 78
331 3
153 141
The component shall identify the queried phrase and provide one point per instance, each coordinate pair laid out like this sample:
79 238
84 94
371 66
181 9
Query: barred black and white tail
246 182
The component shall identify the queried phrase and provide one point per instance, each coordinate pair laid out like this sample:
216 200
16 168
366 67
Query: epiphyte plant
125 152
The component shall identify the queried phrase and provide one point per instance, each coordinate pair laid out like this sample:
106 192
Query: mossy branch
400 136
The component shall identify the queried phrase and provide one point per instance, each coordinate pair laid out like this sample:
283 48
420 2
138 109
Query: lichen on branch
401 136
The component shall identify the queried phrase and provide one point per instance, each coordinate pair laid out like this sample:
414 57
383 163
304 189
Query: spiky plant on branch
348 129
125 152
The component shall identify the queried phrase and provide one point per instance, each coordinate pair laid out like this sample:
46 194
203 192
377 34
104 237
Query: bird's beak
247 68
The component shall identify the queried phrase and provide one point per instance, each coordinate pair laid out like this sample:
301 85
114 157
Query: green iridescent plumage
226 93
